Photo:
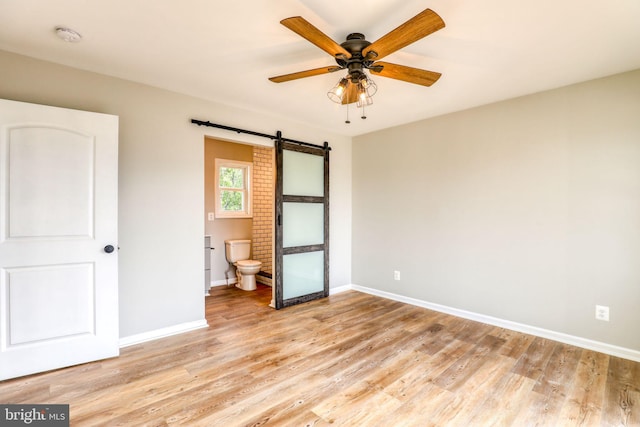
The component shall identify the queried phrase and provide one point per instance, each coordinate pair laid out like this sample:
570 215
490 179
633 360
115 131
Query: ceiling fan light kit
357 55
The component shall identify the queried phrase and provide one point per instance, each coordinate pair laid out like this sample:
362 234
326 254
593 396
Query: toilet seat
248 263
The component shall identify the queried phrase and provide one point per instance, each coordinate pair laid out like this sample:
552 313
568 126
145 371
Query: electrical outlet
396 275
602 312
210 216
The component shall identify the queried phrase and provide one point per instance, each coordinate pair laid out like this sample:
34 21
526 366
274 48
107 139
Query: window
233 189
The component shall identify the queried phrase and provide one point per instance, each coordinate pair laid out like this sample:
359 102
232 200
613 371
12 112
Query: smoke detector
68 35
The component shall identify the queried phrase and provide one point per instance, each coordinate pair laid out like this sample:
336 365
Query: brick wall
263 201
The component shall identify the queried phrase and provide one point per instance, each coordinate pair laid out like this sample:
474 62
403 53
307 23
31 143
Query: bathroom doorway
257 226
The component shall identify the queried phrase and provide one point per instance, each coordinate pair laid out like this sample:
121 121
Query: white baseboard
333 291
231 281
162 333
601 347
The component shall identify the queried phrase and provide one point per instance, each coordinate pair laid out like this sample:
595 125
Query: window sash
245 191
243 199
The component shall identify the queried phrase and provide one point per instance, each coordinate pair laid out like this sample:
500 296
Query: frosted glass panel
303 224
303 274
302 174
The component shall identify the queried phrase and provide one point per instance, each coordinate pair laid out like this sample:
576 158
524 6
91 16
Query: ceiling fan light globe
337 93
367 84
364 80
372 89
364 100
334 97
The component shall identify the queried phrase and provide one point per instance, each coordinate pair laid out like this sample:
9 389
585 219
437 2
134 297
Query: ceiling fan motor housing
355 44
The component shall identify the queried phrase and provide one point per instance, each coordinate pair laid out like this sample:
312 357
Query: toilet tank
237 250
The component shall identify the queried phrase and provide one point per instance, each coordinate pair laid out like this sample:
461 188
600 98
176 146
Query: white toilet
237 253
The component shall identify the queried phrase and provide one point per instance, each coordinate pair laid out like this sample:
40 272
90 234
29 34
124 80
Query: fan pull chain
347 121
363 115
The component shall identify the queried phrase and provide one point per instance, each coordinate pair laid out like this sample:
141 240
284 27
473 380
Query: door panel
49 165
37 296
302 227
58 210
303 173
303 274
303 224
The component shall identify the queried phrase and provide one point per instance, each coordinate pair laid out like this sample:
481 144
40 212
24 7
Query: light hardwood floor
349 360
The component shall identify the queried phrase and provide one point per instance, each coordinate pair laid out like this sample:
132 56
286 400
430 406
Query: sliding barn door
302 223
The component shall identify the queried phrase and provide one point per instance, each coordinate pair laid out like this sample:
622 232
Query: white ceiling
224 51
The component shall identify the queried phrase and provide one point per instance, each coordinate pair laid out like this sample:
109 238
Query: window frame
247 190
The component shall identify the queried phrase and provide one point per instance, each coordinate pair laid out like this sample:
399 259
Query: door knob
108 249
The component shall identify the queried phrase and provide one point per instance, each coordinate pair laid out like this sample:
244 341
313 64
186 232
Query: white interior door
58 226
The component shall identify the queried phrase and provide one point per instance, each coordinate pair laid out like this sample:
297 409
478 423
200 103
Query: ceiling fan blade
414 29
302 27
302 74
351 94
407 74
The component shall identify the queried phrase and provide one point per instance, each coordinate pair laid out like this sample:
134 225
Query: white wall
161 182
526 210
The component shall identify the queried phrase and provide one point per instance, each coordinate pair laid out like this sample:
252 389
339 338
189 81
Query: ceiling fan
356 54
